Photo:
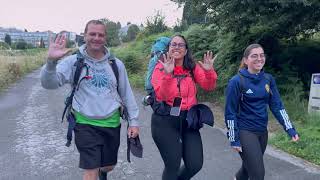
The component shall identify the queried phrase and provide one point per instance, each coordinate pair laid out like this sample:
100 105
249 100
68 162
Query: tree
180 26
118 25
132 32
284 18
21 44
42 45
156 24
194 13
112 32
7 39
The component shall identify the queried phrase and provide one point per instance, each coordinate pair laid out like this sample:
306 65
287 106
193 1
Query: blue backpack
158 48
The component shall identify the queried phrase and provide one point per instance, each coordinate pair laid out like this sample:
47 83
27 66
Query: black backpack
68 102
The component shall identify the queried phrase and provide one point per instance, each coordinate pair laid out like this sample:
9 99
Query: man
96 101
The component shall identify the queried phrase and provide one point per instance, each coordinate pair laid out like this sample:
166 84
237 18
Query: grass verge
15 64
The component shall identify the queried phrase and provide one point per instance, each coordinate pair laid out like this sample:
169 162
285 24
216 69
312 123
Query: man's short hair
96 22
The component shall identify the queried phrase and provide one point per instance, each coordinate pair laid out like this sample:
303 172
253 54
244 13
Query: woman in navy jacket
246 116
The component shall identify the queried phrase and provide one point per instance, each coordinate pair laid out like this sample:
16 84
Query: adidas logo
249 91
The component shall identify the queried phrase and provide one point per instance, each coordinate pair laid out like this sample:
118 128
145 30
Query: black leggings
253 147
166 134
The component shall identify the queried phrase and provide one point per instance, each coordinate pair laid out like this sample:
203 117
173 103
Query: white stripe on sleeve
285 117
230 124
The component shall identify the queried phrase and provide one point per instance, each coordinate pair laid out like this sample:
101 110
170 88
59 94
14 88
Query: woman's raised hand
57 47
208 60
168 63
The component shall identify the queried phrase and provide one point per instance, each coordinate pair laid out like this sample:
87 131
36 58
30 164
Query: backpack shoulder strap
114 67
79 66
123 109
267 76
242 81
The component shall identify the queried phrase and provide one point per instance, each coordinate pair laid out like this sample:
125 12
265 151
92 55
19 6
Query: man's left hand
133 131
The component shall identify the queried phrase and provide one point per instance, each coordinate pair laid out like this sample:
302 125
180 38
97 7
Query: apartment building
33 38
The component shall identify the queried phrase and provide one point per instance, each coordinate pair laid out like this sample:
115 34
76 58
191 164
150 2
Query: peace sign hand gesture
208 60
57 47
168 63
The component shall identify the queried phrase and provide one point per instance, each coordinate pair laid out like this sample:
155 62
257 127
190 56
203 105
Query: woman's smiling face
177 48
256 60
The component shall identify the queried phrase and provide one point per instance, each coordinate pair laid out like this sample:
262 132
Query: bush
4 45
14 69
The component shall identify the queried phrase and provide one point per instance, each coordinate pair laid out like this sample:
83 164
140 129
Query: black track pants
166 134
253 147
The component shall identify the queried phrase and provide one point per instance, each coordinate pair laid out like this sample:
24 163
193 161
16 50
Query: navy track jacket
247 110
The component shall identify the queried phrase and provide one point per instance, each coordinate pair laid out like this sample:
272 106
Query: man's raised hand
57 47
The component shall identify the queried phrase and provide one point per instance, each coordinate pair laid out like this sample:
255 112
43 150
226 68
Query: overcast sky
72 15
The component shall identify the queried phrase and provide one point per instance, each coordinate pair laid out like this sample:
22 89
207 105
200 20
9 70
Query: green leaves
112 32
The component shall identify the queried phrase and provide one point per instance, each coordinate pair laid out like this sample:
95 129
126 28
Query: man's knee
90 174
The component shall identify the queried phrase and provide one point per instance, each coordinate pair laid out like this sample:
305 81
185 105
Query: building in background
33 38
79 40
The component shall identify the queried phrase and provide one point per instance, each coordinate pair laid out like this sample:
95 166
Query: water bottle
147 100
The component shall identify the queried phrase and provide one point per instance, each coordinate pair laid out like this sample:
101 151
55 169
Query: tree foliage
4 45
194 13
132 33
284 29
118 25
7 39
21 44
284 18
155 24
112 32
42 45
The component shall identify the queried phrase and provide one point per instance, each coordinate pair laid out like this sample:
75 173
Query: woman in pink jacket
174 81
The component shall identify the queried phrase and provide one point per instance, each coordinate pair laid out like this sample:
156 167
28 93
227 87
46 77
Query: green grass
137 81
308 146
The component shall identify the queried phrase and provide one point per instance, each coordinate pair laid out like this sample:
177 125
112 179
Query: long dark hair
188 62
246 54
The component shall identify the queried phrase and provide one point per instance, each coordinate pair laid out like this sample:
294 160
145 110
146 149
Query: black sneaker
102 175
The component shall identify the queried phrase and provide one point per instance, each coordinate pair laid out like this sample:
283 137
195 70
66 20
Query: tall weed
14 64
